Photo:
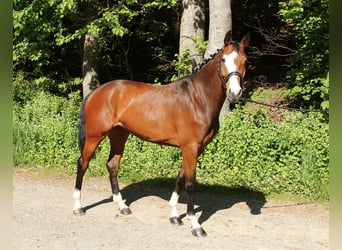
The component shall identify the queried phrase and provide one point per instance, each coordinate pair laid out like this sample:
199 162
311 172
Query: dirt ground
43 218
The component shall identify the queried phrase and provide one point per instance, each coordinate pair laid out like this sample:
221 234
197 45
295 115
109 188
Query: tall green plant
44 132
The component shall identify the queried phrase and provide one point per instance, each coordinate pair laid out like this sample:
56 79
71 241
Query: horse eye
223 60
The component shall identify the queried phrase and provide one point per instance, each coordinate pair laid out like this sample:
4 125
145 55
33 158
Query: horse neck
207 81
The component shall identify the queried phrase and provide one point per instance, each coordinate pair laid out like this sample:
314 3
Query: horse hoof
198 232
125 211
78 211
175 220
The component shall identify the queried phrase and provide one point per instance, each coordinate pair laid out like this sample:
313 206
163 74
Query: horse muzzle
234 90
234 94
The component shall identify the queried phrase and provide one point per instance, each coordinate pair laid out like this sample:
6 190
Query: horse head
231 66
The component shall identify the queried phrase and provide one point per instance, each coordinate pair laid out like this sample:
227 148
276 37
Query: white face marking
234 85
229 61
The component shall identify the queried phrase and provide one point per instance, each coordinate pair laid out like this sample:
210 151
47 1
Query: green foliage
201 45
24 90
309 78
41 60
44 132
251 150
184 64
143 160
48 38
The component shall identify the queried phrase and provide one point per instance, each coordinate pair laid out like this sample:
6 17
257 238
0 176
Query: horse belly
150 126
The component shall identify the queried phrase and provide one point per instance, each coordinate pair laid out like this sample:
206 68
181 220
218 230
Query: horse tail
82 125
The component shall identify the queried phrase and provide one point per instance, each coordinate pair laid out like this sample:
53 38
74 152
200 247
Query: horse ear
245 40
228 38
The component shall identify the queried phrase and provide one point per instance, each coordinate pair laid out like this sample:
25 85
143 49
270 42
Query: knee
112 167
190 186
79 161
82 166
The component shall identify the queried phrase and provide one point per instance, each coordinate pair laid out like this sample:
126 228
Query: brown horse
183 114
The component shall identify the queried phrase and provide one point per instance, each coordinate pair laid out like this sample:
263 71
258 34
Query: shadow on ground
209 199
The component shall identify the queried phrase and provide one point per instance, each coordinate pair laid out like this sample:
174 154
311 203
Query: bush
250 151
253 151
44 132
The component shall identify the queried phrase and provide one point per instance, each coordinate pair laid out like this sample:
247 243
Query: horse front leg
189 165
174 218
196 228
190 186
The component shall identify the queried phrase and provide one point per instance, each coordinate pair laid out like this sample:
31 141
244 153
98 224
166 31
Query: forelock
236 46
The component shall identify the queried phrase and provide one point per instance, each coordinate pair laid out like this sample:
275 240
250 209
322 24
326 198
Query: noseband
226 79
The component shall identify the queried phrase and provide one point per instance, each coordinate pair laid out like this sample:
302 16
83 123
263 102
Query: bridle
224 80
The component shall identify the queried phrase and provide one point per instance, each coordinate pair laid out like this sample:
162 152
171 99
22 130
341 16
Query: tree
192 28
308 21
219 23
49 36
90 64
45 53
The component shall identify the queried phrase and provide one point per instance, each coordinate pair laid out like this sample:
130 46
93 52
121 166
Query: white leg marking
173 203
194 221
118 200
77 199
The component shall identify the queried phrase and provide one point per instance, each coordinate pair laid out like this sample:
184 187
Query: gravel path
43 219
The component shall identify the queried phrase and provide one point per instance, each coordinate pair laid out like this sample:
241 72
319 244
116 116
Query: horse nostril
235 93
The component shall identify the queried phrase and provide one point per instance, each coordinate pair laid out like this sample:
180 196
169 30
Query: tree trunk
192 24
90 64
220 21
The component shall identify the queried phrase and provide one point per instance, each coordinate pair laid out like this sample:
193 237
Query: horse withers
184 114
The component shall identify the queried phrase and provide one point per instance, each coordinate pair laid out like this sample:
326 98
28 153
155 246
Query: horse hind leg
82 165
118 137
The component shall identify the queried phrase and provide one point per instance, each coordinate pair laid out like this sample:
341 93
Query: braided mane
205 61
236 47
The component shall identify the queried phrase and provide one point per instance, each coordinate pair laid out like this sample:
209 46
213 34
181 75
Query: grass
266 95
